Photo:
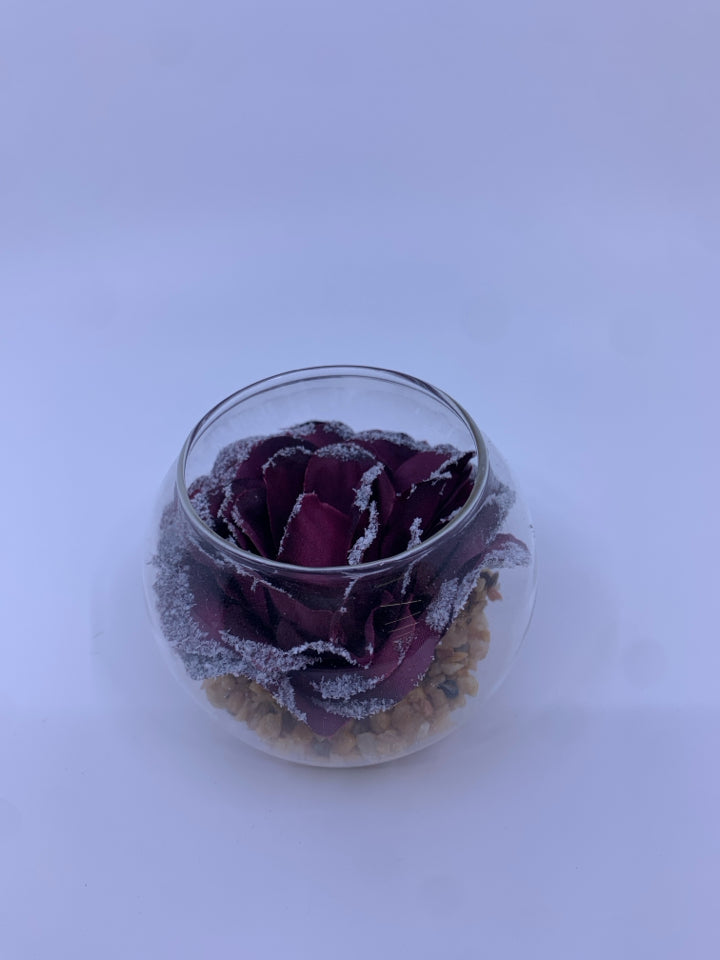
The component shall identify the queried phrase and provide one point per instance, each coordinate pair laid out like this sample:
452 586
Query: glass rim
330 372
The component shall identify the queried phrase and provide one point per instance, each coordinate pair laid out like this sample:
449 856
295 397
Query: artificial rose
335 645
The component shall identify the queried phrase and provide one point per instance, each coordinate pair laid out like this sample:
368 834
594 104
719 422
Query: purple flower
338 644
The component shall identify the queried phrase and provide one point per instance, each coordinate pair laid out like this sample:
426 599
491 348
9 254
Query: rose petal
453 504
366 538
392 449
335 474
389 631
413 666
216 612
418 509
209 607
486 524
283 476
506 551
251 468
402 661
244 509
414 511
383 492
314 624
420 466
207 497
316 535
320 721
321 433
286 636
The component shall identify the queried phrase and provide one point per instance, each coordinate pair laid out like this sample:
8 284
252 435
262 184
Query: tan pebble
423 706
343 742
215 694
269 726
460 656
441 721
423 731
302 733
444 653
462 638
367 745
256 711
453 638
389 743
288 722
468 684
408 729
478 635
479 647
237 704
380 722
400 710
437 698
452 668
227 682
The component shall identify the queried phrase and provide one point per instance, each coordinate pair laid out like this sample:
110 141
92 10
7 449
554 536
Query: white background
516 201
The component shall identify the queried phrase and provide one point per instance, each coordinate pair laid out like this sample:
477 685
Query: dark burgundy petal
236 535
420 466
234 586
209 607
317 535
286 636
335 474
453 506
418 510
215 612
412 515
283 475
486 524
320 433
315 624
413 666
506 551
251 468
389 631
454 502
207 496
366 537
392 449
245 509
330 696
385 496
320 721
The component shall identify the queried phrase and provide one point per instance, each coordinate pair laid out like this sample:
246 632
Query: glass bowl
340 568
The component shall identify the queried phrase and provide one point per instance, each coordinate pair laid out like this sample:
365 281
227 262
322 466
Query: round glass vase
350 664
